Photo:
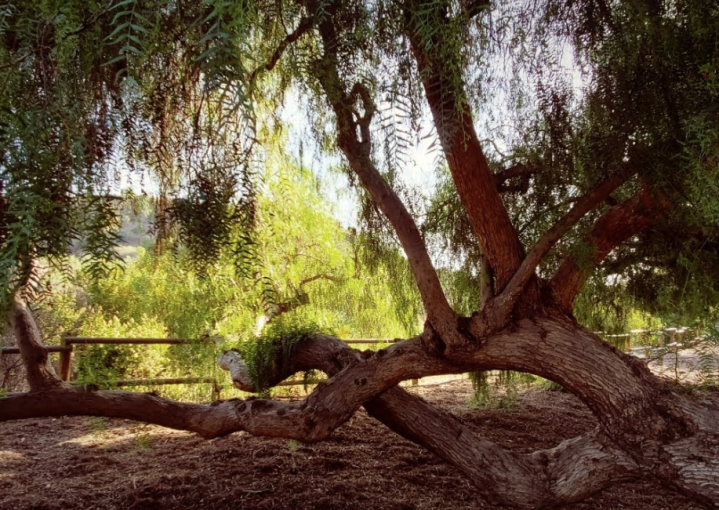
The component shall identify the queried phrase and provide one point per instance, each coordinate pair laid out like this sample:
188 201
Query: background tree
615 169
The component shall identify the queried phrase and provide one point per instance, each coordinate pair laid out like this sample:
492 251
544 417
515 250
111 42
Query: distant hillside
135 230
137 226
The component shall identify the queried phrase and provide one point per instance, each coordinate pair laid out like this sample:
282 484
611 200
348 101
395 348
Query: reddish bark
473 179
582 206
613 228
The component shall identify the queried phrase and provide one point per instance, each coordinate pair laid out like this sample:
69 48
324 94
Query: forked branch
569 472
546 477
357 149
611 229
582 206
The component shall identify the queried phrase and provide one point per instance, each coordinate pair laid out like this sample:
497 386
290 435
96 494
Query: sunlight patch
8 455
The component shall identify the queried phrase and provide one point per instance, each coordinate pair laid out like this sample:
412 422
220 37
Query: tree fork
645 425
614 227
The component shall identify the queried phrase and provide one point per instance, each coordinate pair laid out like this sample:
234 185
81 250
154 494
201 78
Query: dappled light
349 253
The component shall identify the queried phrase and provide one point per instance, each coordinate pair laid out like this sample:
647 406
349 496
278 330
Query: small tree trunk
40 372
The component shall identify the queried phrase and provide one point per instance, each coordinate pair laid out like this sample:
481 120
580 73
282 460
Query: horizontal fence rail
162 381
50 348
67 342
83 340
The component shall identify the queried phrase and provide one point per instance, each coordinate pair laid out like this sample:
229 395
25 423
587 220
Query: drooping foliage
586 89
650 105
309 273
94 92
176 95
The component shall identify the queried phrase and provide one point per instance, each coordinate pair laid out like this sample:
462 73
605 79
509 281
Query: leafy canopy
178 93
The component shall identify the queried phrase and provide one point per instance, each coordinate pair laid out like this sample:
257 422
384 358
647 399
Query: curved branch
358 153
330 405
572 471
40 373
586 203
547 477
302 28
611 229
521 480
649 426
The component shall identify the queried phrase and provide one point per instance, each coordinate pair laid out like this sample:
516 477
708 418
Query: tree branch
521 171
358 153
329 406
625 399
522 480
572 471
40 373
318 277
586 203
475 183
302 28
613 228
302 298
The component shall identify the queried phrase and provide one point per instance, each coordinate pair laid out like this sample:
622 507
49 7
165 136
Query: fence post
65 359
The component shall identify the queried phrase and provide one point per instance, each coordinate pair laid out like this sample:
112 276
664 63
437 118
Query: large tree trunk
643 428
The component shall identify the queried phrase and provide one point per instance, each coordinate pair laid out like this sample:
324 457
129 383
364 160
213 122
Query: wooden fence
67 342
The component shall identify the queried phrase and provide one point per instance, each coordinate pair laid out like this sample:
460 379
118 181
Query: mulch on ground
97 463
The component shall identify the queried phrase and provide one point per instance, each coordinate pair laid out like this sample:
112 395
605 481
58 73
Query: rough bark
612 228
572 471
644 429
473 179
40 372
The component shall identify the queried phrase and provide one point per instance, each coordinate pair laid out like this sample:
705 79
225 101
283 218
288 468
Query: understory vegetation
499 187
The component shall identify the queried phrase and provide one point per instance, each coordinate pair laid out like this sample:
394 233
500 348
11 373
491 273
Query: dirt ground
94 463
